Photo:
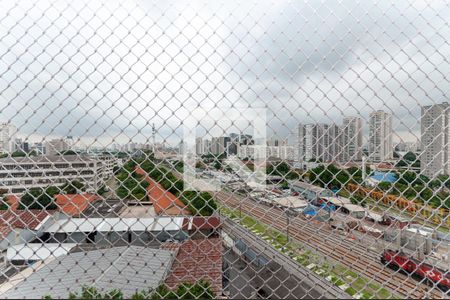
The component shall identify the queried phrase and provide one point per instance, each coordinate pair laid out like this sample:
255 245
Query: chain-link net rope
246 150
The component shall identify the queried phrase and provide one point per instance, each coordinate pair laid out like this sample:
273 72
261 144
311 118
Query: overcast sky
107 70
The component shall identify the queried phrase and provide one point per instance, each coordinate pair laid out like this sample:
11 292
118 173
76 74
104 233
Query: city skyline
173 139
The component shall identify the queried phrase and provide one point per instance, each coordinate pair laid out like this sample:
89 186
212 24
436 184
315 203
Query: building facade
7 137
318 142
199 146
434 159
219 144
352 139
380 136
56 146
21 173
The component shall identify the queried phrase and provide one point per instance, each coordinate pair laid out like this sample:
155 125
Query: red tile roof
74 204
198 259
202 223
164 202
29 219
13 201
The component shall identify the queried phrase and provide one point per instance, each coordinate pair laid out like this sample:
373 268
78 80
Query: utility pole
153 140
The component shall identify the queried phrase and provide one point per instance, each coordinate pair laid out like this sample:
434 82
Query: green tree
3 204
410 156
18 153
199 203
39 198
73 187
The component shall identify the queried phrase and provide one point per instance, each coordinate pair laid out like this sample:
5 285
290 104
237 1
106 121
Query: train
424 271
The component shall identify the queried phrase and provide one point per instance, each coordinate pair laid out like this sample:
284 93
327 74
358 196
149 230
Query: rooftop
135 269
29 219
118 224
291 202
337 200
198 259
36 251
308 186
75 204
47 159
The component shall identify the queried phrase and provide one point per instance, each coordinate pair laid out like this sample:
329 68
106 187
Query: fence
197 149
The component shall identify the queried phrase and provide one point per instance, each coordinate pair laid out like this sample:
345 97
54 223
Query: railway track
354 255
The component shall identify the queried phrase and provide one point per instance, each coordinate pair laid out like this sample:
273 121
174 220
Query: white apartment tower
7 137
380 136
56 146
434 159
351 139
318 142
199 146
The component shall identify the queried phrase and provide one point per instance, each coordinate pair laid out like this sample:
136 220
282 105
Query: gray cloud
108 70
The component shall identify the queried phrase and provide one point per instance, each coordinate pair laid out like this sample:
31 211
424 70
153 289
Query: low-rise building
22 226
18 174
309 191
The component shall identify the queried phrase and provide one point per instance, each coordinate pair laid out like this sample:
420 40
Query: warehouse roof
307 186
117 224
291 202
31 251
339 201
128 268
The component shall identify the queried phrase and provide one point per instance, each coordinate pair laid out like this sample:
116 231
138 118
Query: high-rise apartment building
380 136
318 142
56 146
206 146
219 144
7 137
199 146
351 139
434 159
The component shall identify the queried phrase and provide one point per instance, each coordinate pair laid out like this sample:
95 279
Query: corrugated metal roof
117 224
337 200
128 268
308 186
291 202
32 251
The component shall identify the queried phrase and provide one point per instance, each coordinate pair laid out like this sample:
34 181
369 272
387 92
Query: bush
199 290
199 203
